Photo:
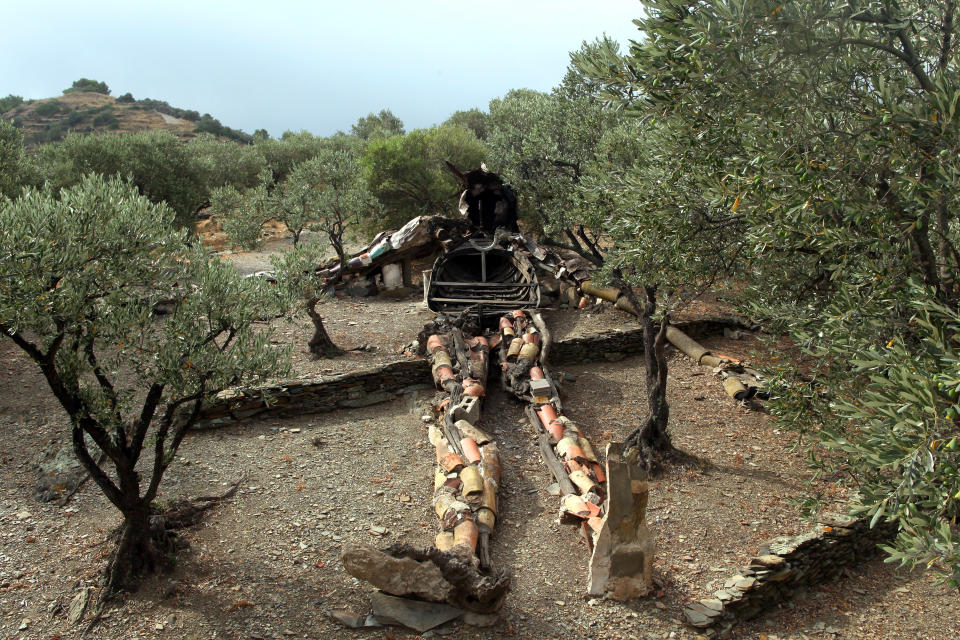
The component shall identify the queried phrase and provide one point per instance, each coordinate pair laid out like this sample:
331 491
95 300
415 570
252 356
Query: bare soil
265 564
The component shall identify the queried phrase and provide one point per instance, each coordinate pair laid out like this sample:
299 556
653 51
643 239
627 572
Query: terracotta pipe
472 482
466 533
515 346
555 429
434 342
490 462
470 450
693 349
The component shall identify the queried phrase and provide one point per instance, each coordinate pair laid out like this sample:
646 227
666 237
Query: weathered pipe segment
739 382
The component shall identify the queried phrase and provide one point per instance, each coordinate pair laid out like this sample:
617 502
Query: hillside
50 119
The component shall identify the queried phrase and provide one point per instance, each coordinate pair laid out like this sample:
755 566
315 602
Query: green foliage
164 107
16 167
10 102
156 162
105 119
244 212
221 162
126 98
297 282
473 120
407 173
290 150
544 144
82 272
49 108
54 131
378 125
209 124
326 194
85 84
811 146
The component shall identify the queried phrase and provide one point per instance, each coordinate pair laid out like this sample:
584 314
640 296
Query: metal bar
483 284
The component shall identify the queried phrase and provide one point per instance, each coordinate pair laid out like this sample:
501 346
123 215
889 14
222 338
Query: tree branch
947 30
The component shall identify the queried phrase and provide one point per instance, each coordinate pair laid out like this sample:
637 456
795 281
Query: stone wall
785 566
296 397
379 384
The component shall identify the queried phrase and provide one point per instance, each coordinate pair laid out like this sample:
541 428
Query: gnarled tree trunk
320 345
651 437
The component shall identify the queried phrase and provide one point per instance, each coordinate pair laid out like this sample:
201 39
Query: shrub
156 162
209 124
54 132
48 109
10 102
85 84
75 118
105 119
126 98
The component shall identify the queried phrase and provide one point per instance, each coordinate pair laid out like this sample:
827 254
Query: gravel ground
264 564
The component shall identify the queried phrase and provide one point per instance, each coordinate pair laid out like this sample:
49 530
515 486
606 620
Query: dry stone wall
787 565
296 397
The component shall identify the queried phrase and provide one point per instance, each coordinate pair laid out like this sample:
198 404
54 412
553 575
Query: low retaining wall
296 397
786 565
386 382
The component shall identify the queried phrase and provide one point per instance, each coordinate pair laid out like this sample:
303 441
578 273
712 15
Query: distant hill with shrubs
88 107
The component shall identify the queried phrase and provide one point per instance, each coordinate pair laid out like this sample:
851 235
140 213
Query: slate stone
349 618
59 471
697 618
78 606
712 603
414 614
768 562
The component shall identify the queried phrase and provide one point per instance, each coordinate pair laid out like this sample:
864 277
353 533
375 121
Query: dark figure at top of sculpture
486 201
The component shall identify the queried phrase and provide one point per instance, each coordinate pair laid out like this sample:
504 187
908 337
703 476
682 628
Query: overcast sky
282 64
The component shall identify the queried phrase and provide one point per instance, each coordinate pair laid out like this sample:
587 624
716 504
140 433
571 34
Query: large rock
413 614
398 576
59 471
622 562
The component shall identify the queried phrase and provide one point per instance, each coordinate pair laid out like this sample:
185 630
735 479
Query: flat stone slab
414 614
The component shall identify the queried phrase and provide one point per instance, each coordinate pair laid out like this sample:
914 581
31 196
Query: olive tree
81 273
16 167
302 288
824 134
326 194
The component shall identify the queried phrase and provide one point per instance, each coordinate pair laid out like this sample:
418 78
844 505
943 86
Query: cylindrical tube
530 351
490 462
434 342
466 533
444 541
515 345
472 481
470 449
